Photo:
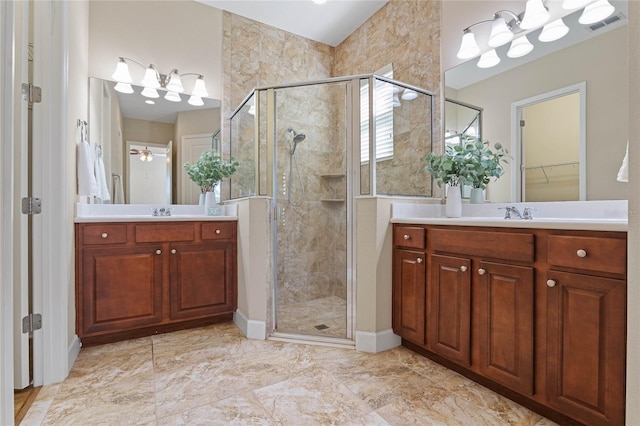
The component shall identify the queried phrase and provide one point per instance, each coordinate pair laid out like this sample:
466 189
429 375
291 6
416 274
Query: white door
192 147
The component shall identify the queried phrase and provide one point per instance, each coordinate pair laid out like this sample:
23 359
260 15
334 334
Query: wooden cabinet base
151 331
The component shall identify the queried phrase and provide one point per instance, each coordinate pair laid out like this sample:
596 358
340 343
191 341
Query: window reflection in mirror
597 58
462 119
119 123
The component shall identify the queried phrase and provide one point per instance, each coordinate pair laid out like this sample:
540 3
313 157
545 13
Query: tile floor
330 312
215 376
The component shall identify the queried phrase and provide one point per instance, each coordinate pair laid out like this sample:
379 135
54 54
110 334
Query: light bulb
195 100
535 14
596 12
173 97
520 47
148 92
121 74
199 88
150 79
469 47
489 59
553 31
175 83
500 33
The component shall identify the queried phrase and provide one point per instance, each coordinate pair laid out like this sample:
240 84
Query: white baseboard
252 329
367 341
74 350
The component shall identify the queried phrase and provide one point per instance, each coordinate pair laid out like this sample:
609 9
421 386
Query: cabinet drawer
218 231
104 234
409 236
499 245
157 233
590 253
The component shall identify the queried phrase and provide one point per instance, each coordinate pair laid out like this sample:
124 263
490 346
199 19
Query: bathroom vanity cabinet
535 314
135 279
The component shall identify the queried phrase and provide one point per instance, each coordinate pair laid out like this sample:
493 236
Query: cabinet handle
581 253
406 236
173 251
419 260
104 235
218 231
463 268
158 251
551 283
482 271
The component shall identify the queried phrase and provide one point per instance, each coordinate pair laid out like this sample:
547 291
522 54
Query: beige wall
607 97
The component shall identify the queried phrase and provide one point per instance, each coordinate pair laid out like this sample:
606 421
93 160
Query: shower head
297 137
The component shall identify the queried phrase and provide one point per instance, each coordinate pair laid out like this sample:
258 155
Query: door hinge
31 93
521 123
31 322
31 205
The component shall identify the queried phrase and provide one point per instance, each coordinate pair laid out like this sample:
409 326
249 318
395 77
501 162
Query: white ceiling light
199 88
409 94
596 12
520 47
489 59
500 32
175 82
150 93
151 79
535 14
145 155
469 47
195 100
553 31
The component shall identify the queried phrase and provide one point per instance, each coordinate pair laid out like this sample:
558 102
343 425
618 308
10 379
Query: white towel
623 173
87 185
118 189
101 179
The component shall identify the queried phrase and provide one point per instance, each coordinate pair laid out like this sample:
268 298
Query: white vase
453 206
201 199
477 196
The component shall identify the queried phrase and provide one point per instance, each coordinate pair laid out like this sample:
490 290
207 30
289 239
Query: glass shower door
312 206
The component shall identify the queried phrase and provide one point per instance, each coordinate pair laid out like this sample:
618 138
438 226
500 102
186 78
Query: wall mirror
461 120
590 61
144 146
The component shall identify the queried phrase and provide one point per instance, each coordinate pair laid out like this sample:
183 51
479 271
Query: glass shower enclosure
312 147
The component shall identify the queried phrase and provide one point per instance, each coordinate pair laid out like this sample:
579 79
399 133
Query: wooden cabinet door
409 302
202 279
121 288
505 324
449 308
586 344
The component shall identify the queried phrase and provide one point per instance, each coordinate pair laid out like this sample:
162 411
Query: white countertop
577 215
87 213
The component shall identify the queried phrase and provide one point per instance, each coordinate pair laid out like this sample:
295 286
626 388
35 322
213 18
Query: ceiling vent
612 21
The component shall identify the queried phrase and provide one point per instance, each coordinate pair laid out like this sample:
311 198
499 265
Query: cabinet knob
463 268
218 231
581 253
482 271
104 235
406 236
158 251
173 251
419 260
551 283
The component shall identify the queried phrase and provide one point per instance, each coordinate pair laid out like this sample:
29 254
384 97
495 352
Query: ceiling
329 23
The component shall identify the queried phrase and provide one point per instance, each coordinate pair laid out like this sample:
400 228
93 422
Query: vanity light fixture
508 26
409 94
153 80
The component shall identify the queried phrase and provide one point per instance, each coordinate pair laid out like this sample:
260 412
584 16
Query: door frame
516 141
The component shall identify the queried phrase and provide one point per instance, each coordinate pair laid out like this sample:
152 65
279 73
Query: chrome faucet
527 213
162 211
509 210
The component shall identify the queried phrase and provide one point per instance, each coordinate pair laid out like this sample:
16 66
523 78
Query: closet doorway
550 145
